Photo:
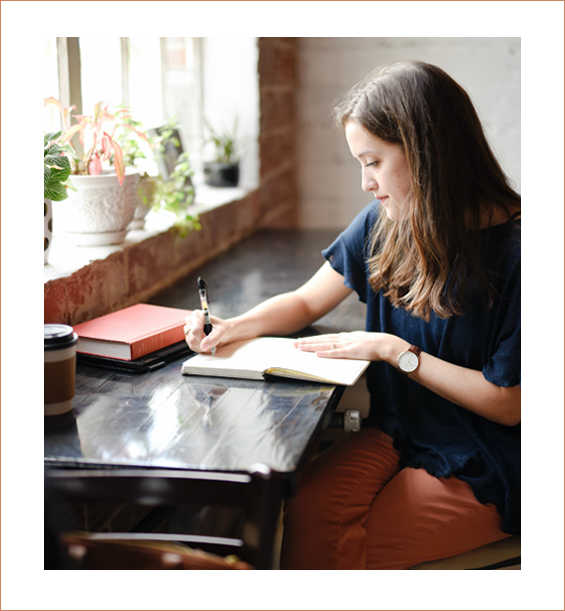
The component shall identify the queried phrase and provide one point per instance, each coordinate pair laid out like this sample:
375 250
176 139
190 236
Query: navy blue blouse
429 431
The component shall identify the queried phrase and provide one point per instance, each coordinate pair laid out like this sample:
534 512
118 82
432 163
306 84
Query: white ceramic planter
48 229
100 210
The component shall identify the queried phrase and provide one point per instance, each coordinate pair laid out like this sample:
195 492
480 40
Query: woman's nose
368 183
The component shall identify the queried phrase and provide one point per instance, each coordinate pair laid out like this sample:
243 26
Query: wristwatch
409 360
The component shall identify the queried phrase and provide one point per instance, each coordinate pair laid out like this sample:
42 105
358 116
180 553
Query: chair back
256 492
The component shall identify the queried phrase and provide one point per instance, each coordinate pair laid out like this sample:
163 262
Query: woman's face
385 171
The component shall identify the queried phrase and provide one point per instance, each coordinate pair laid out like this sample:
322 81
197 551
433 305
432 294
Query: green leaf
58 175
50 136
56 192
57 161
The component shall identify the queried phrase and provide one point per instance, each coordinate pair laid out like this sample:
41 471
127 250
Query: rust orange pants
356 509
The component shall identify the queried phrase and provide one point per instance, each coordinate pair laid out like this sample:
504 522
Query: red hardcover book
132 332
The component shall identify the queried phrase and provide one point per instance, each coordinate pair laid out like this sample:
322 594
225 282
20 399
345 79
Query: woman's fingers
194 330
194 334
354 345
318 343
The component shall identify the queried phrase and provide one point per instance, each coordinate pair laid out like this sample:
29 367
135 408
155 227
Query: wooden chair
505 554
257 493
99 552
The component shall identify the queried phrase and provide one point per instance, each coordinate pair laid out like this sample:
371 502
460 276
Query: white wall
329 178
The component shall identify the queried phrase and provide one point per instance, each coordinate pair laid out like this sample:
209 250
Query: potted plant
175 194
56 170
137 149
104 203
165 175
223 169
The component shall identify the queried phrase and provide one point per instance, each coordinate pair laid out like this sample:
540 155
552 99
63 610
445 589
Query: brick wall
142 269
277 87
139 270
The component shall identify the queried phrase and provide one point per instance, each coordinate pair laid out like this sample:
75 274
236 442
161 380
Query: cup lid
58 336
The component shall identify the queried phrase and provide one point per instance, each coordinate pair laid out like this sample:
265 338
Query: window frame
70 77
205 93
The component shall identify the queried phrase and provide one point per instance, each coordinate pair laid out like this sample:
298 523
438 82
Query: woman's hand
355 345
195 337
280 315
465 387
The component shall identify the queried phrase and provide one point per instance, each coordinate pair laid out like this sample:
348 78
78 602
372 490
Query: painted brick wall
142 269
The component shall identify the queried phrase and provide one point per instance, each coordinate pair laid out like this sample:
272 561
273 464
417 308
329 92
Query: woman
436 257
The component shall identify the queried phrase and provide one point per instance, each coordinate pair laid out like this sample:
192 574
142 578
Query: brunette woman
436 257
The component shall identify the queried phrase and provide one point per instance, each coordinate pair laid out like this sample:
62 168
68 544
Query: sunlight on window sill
66 257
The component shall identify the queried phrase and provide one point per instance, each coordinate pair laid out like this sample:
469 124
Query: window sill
66 257
82 283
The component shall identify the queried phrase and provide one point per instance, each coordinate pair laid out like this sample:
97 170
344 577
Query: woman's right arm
280 315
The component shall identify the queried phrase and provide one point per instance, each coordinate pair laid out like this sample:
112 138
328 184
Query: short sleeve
349 251
504 365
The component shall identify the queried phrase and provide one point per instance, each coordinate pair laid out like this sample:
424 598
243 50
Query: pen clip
202 286
203 292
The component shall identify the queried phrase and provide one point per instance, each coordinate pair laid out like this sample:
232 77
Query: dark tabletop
165 419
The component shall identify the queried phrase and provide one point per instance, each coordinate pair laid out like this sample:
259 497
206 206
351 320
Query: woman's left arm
465 387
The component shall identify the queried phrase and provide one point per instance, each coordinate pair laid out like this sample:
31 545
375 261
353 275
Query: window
101 72
154 76
191 79
51 117
145 97
181 90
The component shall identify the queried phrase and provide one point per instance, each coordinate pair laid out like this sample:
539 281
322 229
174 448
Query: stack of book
139 338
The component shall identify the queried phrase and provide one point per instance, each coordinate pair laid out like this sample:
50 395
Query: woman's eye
368 165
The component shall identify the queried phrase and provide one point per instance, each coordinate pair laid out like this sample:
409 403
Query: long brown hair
426 262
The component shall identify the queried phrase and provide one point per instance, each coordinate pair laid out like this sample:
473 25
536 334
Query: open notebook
255 358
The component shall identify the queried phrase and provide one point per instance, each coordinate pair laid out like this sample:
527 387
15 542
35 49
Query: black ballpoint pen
204 302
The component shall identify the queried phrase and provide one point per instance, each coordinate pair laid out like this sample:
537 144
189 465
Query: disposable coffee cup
60 344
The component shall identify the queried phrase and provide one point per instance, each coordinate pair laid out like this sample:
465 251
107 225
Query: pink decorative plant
96 135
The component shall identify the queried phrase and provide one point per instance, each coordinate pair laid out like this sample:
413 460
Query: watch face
408 361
